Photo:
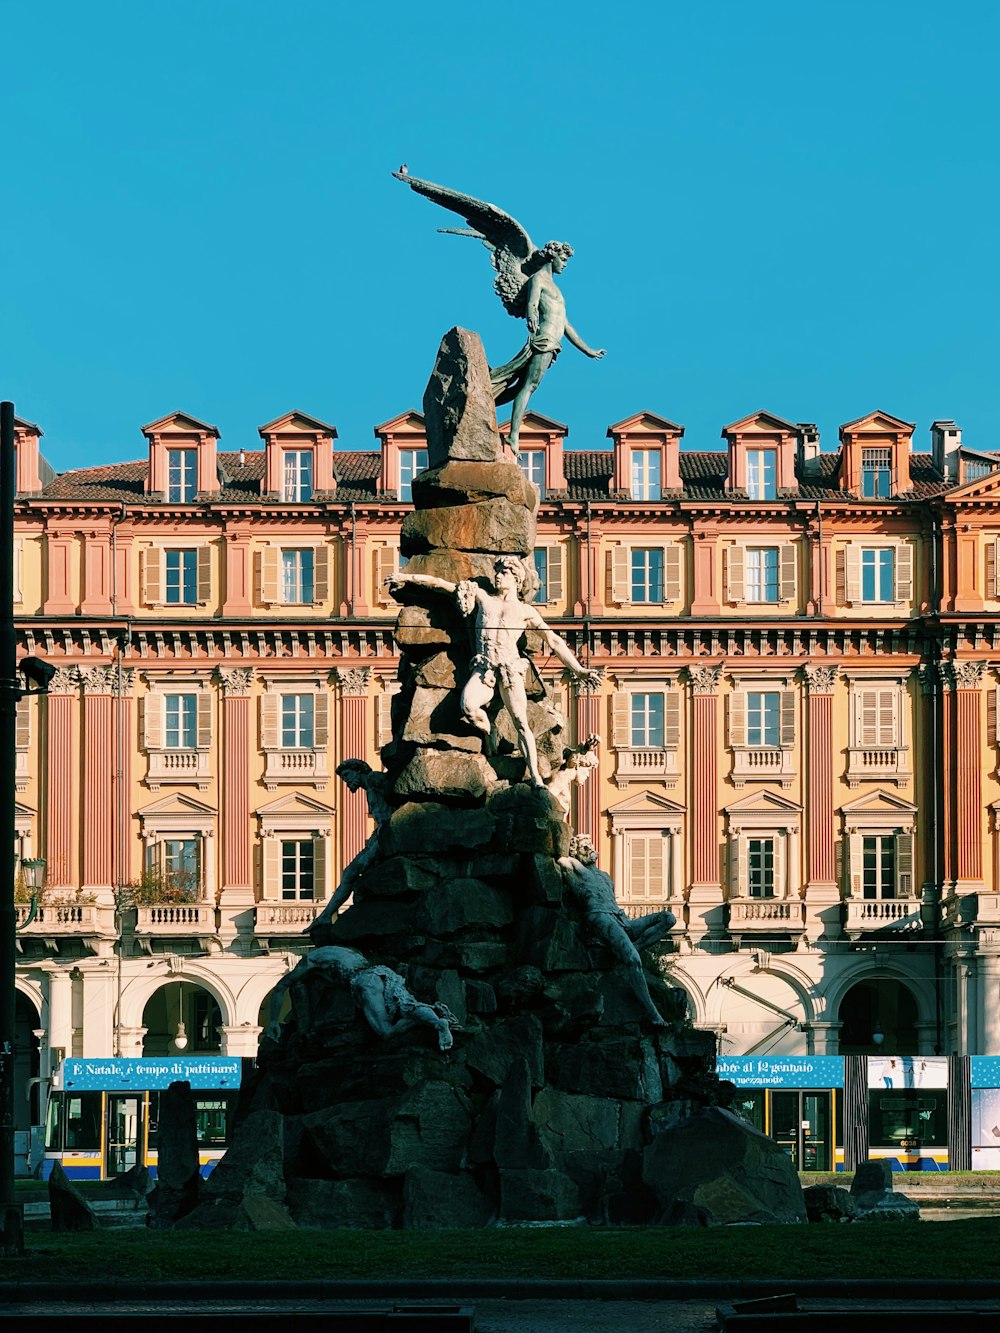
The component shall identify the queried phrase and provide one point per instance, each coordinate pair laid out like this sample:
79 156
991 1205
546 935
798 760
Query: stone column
822 891
969 762
353 682
989 1005
60 787
97 829
98 1013
239 1040
60 1019
588 796
237 833
706 887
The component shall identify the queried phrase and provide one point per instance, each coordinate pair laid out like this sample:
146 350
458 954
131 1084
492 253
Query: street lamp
33 878
36 674
878 1036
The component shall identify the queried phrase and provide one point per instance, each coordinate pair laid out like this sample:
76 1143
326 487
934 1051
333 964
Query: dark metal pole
11 1214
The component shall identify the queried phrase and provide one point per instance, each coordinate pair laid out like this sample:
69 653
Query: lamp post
39 673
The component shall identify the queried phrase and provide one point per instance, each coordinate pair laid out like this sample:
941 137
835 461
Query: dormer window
646 483
411 461
297 475
762 474
876 474
182 475
532 464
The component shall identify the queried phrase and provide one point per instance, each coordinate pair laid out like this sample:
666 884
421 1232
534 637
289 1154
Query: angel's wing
509 243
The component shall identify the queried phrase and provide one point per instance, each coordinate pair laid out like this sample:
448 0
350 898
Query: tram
102 1117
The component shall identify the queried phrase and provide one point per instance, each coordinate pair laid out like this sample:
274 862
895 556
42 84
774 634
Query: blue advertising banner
124 1075
985 1071
782 1071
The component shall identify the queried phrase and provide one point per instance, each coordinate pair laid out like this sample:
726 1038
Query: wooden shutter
152 576
321 721
646 867
204 573
386 560
738 877
620 561
269 731
271 858
778 841
735 576
737 718
621 720
321 574
383 718
671 720
991 716
852 574
152 720
841 577
269 575
904 572
554 580
23 725
904 865
319 868
787 719
991 568
18 557
672 573
204 720
888 709
786 563
855 852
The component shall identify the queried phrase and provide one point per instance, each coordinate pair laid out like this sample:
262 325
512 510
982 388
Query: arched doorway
182 1016
874 1007
27 1109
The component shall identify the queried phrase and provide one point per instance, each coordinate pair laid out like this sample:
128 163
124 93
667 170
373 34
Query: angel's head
555 253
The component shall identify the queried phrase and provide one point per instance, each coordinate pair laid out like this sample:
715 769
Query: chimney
946 442
808 449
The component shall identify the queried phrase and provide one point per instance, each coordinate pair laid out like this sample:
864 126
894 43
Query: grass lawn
902 1250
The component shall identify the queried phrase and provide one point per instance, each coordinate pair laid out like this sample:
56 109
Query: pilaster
354 686
705 601
237 595
237 833
706 886
587 795
60 788
97 831
969 764
822 893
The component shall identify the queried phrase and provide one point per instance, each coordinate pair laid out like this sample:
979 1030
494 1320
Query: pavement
500 1306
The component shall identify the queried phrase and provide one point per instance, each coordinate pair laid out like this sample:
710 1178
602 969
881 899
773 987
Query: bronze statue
524 283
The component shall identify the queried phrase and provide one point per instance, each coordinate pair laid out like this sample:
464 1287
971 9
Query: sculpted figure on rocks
525 282
595 893
357 775
380 993
499 620
578 764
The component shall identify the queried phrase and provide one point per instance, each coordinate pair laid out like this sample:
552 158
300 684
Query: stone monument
476 1038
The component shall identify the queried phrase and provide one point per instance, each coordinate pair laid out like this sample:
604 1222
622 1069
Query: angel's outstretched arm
577 341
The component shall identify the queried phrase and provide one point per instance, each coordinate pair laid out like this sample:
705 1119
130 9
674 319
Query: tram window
213 1122
923 1118
54 1124
83 1122
153 1119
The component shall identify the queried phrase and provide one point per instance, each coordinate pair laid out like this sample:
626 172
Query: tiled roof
589 475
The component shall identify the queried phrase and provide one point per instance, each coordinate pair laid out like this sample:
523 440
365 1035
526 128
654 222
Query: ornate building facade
798 719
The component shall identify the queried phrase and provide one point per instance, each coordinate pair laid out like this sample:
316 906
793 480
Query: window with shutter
549 568
23 724
320 849
852 580
321 574
904 865
735 579
738 718
788 580
644 867
672 573
672 721
621 720
204 720
991 716
386 562
152 575
204 563
620 562
904 572
152 721
878 714
787 719
321 713
269 721
268 567
271 858
991 568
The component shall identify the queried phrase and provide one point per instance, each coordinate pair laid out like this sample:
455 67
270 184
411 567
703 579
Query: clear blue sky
782 205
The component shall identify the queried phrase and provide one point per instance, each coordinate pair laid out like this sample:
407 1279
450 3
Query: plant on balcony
153 888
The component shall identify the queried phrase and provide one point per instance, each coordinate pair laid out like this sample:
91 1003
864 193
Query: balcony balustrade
760 763
271 919
766 915
299 766
168 767
175 919
878 764
872 914
635 765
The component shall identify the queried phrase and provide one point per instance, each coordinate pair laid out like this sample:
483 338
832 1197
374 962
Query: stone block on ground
537 1196
715 1169
829 1203
68 1208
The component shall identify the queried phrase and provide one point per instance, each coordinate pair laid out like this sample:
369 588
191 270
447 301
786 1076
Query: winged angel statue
525 285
